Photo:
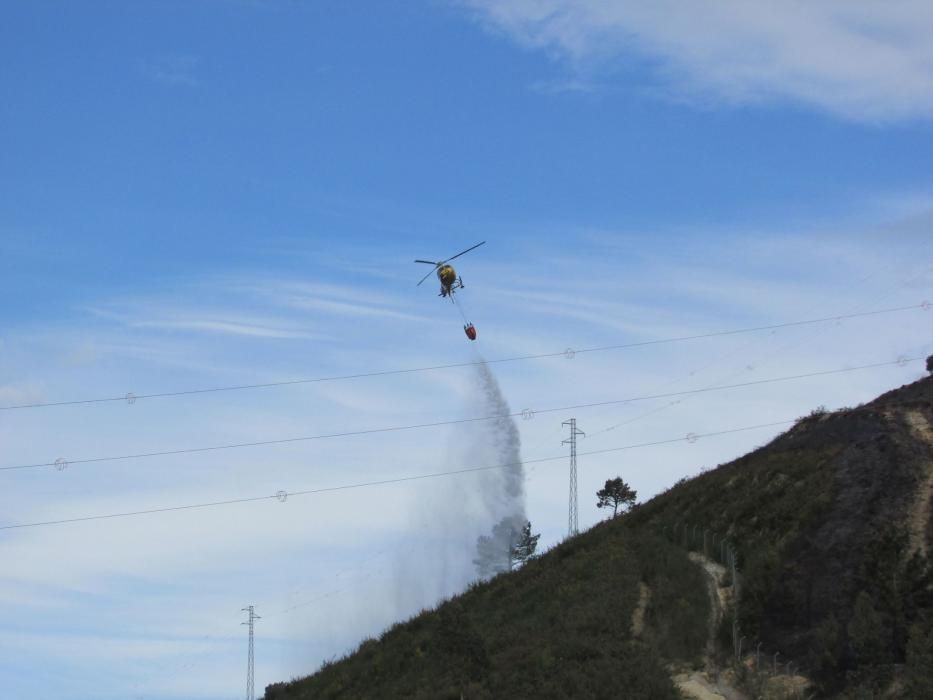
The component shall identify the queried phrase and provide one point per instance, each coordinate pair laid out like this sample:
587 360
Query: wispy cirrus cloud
223 326
225 322
860 61
570 85
328 299
175 69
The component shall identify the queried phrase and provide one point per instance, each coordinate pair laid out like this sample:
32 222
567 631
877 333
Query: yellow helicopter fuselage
447 275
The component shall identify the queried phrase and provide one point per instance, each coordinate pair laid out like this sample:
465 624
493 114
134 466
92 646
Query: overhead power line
284 495
568 352
903 282
62 462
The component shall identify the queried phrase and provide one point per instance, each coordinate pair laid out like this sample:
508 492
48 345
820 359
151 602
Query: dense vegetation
559 627
831 525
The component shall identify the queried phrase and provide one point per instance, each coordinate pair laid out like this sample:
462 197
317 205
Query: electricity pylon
572 522
250 689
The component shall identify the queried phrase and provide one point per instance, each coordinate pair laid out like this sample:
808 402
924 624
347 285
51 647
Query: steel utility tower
250 690
572 522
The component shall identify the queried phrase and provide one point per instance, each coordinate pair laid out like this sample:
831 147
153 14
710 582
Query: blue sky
170 136
202 194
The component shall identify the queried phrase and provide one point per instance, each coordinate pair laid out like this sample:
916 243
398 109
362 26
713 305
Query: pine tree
526 545
919 676
865 630
615 493
494 552
824 649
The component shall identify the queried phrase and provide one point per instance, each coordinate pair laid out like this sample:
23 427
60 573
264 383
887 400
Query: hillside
560 627
831 526
831 523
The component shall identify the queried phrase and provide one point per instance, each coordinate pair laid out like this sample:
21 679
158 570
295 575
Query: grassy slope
557 628
819 516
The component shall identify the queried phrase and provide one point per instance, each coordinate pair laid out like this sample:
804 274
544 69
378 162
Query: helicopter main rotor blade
465 251
426 276
428 262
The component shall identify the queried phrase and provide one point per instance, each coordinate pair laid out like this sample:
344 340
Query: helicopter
450 280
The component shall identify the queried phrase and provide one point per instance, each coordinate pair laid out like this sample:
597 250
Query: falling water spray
451 515
507 498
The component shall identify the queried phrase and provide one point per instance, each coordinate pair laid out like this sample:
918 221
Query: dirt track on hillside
920 510
708 684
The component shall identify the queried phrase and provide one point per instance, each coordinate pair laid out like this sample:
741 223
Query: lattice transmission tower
250 685
573 525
